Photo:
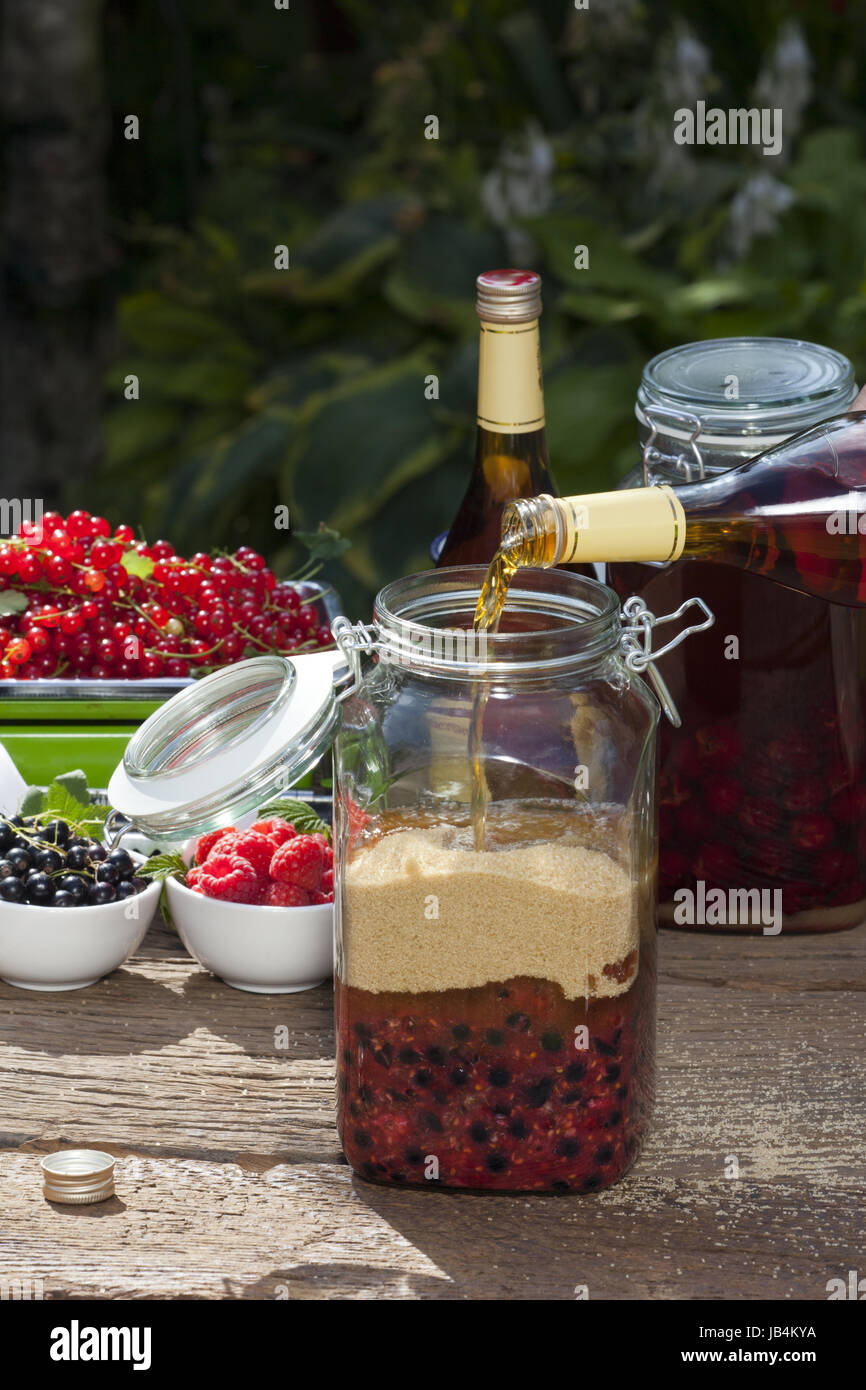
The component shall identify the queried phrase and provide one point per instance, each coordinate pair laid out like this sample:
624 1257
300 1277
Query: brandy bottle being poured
795 514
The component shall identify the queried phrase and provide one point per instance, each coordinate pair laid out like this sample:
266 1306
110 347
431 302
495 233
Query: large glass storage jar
763 786
495 997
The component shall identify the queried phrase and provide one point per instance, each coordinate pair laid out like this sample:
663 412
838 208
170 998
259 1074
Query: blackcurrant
7 836
122 862
73 885
126 888
48 860
64 899
107 873
101 893
20 861
56 832
97 851
77 858
12 890
40 888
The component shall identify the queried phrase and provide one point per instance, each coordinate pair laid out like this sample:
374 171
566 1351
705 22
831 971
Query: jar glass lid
226 744
749 386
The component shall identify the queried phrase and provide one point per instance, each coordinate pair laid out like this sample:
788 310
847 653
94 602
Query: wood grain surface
231 1184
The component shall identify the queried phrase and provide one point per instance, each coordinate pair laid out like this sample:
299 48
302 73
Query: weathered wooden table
230 1181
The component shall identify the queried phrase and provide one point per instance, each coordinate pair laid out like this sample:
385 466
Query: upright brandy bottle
511 450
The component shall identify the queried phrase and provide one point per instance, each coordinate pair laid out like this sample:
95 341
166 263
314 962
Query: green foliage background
259 127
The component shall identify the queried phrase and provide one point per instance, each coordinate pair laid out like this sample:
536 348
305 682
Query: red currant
38 639
18 651
78 524
103 554
58 570
29 568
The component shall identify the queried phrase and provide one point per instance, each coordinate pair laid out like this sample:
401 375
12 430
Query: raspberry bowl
265 950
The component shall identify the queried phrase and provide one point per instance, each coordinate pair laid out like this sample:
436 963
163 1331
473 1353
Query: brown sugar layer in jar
497 1087
504 1039
424 910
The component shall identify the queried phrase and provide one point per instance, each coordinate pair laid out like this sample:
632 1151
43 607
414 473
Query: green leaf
356 446
84 817
612 267
163 326
75 783
32 802
216 477
163 866
324 544
135 430
584 407
136 563
11 601
165 909
300 814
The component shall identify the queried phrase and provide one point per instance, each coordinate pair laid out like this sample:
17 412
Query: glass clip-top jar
495 976
762 791
495 982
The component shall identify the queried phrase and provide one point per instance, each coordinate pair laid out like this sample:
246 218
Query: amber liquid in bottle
511 458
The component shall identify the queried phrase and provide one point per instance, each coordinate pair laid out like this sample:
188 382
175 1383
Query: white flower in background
755 211
785 79
683 74
685 70
519 185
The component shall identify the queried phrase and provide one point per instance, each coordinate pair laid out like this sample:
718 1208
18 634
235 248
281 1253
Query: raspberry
286 895
812 832
193 876
257 849
326 847
230 878
278 830
327 884
722 794
207 842
299 861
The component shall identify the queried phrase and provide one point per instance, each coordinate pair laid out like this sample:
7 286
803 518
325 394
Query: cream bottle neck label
645 523
510 395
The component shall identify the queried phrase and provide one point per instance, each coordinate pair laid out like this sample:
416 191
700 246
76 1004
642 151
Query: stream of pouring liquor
488 611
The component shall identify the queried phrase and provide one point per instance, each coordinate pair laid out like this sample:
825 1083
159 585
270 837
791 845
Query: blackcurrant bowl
69 944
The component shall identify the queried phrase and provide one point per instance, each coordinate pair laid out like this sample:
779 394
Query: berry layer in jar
762 787
505 1087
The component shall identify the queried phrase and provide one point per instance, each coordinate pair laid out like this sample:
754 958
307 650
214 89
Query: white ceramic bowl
54 948
268 950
